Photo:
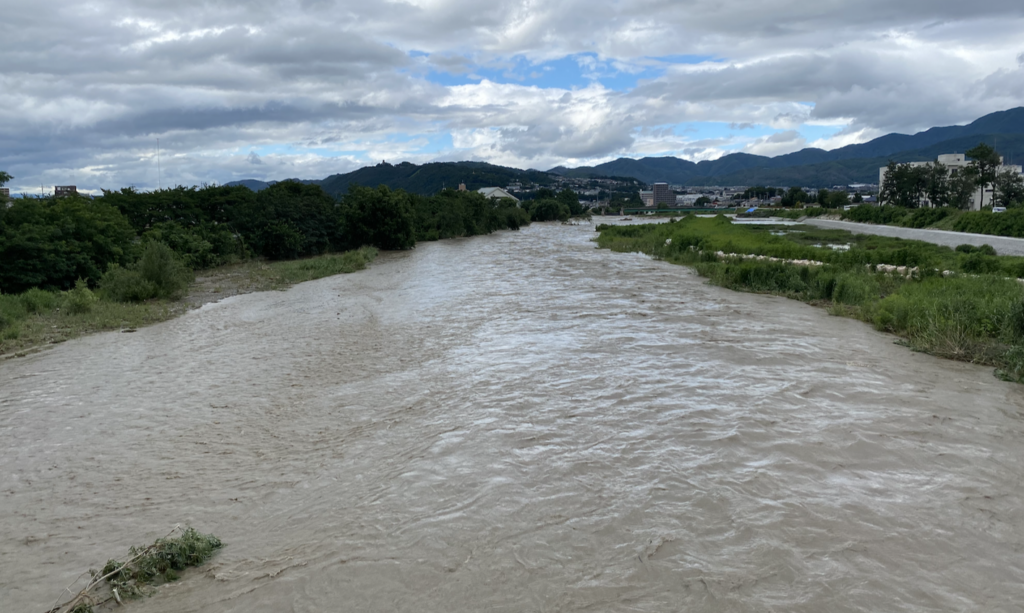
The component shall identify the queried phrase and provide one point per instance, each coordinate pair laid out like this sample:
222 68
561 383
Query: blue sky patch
570 72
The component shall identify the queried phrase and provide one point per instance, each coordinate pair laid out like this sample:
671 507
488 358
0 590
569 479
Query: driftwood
141 567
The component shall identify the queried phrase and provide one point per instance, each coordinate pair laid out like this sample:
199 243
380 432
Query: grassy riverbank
37 318
963 304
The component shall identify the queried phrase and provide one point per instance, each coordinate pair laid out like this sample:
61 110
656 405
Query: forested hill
431 178
816 167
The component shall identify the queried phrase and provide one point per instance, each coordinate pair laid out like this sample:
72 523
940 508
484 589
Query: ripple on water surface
517 422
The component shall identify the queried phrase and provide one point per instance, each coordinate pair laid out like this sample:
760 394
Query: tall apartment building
663 195
660 194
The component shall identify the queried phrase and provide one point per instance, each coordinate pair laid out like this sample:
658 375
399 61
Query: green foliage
297 271
866 213
80 299
289 220
571 201
549 209
159 273
983 165
4 178
964 318
1010 223
903 185
795 196
49 243
983 249
452 213
159 562
36 300
1009 189
837 200
378 217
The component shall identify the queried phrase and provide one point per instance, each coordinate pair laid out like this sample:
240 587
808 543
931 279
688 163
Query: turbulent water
517 422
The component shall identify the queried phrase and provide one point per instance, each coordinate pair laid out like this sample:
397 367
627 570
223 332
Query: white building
496 192
956 162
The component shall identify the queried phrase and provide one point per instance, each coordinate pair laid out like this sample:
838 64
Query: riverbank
964 305
35 320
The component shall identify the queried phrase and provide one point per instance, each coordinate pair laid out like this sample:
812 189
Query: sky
149 93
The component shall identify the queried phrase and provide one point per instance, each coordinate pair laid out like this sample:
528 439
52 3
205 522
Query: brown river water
516 422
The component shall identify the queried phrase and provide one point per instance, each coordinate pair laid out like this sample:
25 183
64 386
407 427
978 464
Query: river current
516 422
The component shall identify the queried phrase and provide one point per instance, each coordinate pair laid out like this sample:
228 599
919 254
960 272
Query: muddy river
517 422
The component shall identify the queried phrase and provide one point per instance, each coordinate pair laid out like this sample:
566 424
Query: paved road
1002 244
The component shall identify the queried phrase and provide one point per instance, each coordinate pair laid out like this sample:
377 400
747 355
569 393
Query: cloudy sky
307 88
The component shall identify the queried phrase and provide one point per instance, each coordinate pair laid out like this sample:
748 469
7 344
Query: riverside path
1002 244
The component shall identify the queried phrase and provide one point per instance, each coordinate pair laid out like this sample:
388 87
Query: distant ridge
818 167
808 167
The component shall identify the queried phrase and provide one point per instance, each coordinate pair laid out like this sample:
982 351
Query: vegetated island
73 265
965 304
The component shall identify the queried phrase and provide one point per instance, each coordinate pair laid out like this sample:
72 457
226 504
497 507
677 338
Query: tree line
50 243
910 186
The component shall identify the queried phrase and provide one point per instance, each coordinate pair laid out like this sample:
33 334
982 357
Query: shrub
80 299
855 289
160 266
126 285
159 273
36 300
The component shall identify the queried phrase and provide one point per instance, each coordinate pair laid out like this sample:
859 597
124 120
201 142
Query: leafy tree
549 209
4 178
857 198
961 188
544 192
936 180
822 198
52 242
760 192
570 200
289 220
795 196
378 217
984 162
903 185
1009 189
837 200
702 201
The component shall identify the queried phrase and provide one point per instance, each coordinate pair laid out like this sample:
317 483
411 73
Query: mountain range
810 167
813 167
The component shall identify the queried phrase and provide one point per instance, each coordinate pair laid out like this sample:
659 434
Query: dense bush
867 213
549 209
79 299
451 214
159 273
377 217
1009 223
50 243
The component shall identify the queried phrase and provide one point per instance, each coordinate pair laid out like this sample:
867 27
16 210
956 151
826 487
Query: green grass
38 318
976 315
278 275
